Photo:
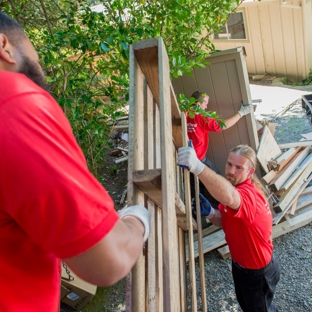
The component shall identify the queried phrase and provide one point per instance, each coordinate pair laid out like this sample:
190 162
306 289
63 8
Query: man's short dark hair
11 29
198 96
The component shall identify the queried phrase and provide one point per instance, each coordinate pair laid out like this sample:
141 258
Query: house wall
277 42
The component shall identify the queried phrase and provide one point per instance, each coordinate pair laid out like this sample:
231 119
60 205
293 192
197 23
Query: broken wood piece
286 157
297 172
288 198
285 173
307 190
303 200
307 136
296 144
123 196
121 159
224 252
268 148
266 179
302 218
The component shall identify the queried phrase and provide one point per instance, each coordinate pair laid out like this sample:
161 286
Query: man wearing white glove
199 127
245 216
52 207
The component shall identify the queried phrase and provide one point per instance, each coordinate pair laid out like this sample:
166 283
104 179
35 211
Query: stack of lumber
286 171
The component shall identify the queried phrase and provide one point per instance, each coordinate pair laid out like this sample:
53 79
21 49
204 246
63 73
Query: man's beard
231 178
33 72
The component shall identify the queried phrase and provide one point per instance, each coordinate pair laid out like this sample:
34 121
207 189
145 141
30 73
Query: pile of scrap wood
286 171
121 152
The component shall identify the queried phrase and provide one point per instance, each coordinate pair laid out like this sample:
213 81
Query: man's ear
6 50
251 172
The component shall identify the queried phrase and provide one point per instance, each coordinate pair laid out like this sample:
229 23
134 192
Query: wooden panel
268 149
226 83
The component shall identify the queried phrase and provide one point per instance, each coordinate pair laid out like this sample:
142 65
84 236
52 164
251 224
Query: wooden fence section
157 129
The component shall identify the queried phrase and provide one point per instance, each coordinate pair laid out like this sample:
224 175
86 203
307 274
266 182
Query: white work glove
245 110
187 158
139 212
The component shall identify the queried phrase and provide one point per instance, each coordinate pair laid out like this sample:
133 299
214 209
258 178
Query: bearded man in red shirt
51 206
245 216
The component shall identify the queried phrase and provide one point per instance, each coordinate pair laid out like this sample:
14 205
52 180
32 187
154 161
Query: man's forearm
217 218
113 257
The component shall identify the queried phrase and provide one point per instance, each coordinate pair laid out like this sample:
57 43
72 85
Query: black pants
202 188
255 288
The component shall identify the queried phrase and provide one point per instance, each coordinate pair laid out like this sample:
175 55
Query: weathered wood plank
295 144
188 207
282 176
268 149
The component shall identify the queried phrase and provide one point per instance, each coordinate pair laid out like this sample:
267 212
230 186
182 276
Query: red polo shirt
248 230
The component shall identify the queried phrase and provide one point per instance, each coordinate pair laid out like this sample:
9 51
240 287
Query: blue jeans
255 288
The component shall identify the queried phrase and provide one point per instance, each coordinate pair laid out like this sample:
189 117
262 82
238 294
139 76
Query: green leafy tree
85 54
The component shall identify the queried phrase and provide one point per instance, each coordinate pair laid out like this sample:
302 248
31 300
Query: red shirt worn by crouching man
248 230
46 213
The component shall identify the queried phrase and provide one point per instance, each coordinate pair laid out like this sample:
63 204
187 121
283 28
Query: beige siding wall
278 40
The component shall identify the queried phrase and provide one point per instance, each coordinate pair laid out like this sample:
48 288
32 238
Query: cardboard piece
64 291
79 292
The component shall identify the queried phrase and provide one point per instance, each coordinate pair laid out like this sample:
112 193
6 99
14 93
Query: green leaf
104 47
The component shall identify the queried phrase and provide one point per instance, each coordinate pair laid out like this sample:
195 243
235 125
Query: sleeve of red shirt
45 184
247 209
209 124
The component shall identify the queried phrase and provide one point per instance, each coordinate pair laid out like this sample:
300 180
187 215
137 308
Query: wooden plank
303 200
301 219
307 190
146 52
212 228
200 248
297 172
286 157
169 220
152 289
188 207
268 149
210 242
135 285
182 268
277 183
307 136
295 144
160 262
291 196
150 183
224 252
269 177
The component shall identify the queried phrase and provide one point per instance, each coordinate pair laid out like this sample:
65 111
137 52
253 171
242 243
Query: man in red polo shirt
51 206
198 129
246 219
